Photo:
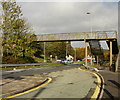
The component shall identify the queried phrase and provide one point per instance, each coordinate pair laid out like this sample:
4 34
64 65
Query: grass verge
95 65
79 61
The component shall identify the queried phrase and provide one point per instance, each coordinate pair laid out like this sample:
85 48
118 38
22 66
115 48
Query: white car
67 62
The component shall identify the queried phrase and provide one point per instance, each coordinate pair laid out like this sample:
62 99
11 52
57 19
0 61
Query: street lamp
88 13
90 30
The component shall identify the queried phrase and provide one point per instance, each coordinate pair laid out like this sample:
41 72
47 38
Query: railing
78 36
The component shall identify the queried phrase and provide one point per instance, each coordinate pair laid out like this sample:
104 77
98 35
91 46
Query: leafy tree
17 34
59 49
106 55
70 50
37 47
56 49
80 53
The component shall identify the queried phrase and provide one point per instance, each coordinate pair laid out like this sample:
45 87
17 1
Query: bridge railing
78 36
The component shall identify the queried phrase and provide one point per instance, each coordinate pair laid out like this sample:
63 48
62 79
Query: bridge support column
97 59
91 60
86 52
66 49
110 53
75 54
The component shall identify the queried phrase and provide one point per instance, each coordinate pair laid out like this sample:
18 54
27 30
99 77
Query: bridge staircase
115 49
118 62
96 50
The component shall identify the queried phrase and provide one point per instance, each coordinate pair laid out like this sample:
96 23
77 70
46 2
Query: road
68 80
70 83
31 71
112 85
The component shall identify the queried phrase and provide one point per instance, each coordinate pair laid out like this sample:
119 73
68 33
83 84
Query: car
66 62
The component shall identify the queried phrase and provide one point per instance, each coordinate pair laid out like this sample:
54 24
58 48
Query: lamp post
88 13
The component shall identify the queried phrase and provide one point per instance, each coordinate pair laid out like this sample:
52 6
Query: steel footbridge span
111 37
78 36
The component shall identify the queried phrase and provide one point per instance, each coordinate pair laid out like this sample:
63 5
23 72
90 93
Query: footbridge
78 36
93 38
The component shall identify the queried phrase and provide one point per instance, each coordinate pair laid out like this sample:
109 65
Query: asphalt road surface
31 71
112 81
70 83
112 85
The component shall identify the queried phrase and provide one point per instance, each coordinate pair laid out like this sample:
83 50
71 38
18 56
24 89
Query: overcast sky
61 17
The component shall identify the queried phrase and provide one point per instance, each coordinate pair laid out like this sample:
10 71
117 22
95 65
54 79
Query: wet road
112 85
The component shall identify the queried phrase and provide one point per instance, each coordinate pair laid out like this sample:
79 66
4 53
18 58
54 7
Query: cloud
61 17
67 0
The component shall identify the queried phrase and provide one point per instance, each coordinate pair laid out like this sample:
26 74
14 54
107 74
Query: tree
17 34
80 53
37 47
70 50
119 46
59 49
56 49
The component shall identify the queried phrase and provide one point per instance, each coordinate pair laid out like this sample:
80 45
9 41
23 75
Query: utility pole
90 30
44 53
75 54
86 52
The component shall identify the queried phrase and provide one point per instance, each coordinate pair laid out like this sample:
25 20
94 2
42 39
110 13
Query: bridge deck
77 36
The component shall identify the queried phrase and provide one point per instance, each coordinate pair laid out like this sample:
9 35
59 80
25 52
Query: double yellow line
95 94
48 81
98 87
